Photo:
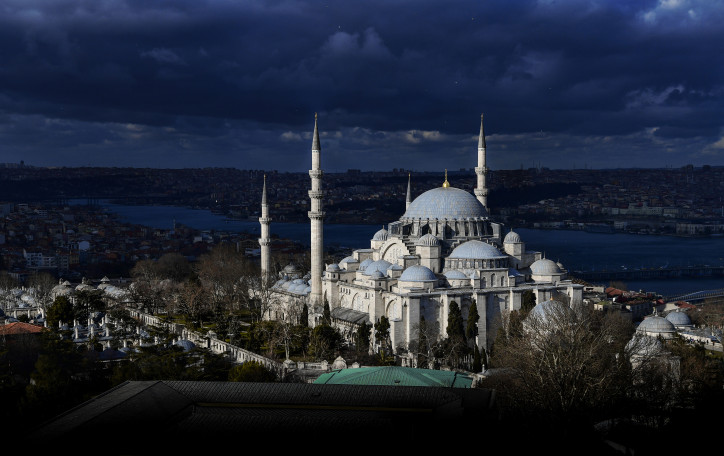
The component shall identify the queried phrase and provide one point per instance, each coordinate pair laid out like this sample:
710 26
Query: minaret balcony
265 219
481 192
316 194
265 242
481 169
316 215
316 173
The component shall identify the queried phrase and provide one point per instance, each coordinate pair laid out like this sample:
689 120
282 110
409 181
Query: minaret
265 241
481 192
316 217
408 201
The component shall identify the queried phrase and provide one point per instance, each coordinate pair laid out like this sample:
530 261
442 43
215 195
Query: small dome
655 325
644 346
290 269
476 250
349 259
544 266
445 203
379 265
418 273
547 310
377 275
364 264
394 267
381 235
186 344
428 240
512 238
455 274
333 267
678 318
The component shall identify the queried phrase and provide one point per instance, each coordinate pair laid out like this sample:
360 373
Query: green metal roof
395 376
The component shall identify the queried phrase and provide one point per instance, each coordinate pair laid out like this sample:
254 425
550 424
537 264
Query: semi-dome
381 235
679 318
545 266
379 265
655 326
445 203
418 273
476 250
428 240
512 238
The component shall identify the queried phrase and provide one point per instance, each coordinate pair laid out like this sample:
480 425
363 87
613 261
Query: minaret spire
408 201
315 140
481 191
316 218
265 240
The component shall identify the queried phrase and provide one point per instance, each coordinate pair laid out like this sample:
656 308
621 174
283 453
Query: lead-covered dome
428 240
679 318
445 203
455 274
550 311
512 238
657 326
379 265
476 250
418 273
381 235
544 266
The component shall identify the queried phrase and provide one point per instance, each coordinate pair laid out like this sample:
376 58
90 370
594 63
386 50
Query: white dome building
444 248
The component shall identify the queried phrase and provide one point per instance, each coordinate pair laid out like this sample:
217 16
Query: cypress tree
304 319
327 314
472 328
477 362
455 322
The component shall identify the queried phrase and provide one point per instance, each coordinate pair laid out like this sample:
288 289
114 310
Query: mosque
444 249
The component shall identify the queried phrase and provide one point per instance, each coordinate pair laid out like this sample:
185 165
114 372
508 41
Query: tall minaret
481 192
408 201
316 217
265 241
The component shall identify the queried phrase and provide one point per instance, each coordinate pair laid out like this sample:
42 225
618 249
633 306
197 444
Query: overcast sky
397 84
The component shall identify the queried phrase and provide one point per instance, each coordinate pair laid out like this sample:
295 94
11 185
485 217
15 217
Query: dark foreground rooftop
146 416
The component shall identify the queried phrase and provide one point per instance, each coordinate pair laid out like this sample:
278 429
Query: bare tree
259 297
221 272
561 364
41 284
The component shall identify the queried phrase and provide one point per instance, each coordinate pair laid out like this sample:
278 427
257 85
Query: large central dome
445 203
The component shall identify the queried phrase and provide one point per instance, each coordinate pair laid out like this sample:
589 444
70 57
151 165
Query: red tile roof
20 328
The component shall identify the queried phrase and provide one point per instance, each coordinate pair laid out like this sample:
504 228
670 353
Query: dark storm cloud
229 83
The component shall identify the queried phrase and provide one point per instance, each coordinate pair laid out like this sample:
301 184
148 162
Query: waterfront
577 250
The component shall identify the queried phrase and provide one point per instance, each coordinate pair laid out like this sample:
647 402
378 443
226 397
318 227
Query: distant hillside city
40 230
682 201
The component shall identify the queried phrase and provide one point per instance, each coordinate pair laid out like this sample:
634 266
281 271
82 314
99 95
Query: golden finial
446 184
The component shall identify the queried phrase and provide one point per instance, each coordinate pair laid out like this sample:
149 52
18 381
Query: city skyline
236 84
